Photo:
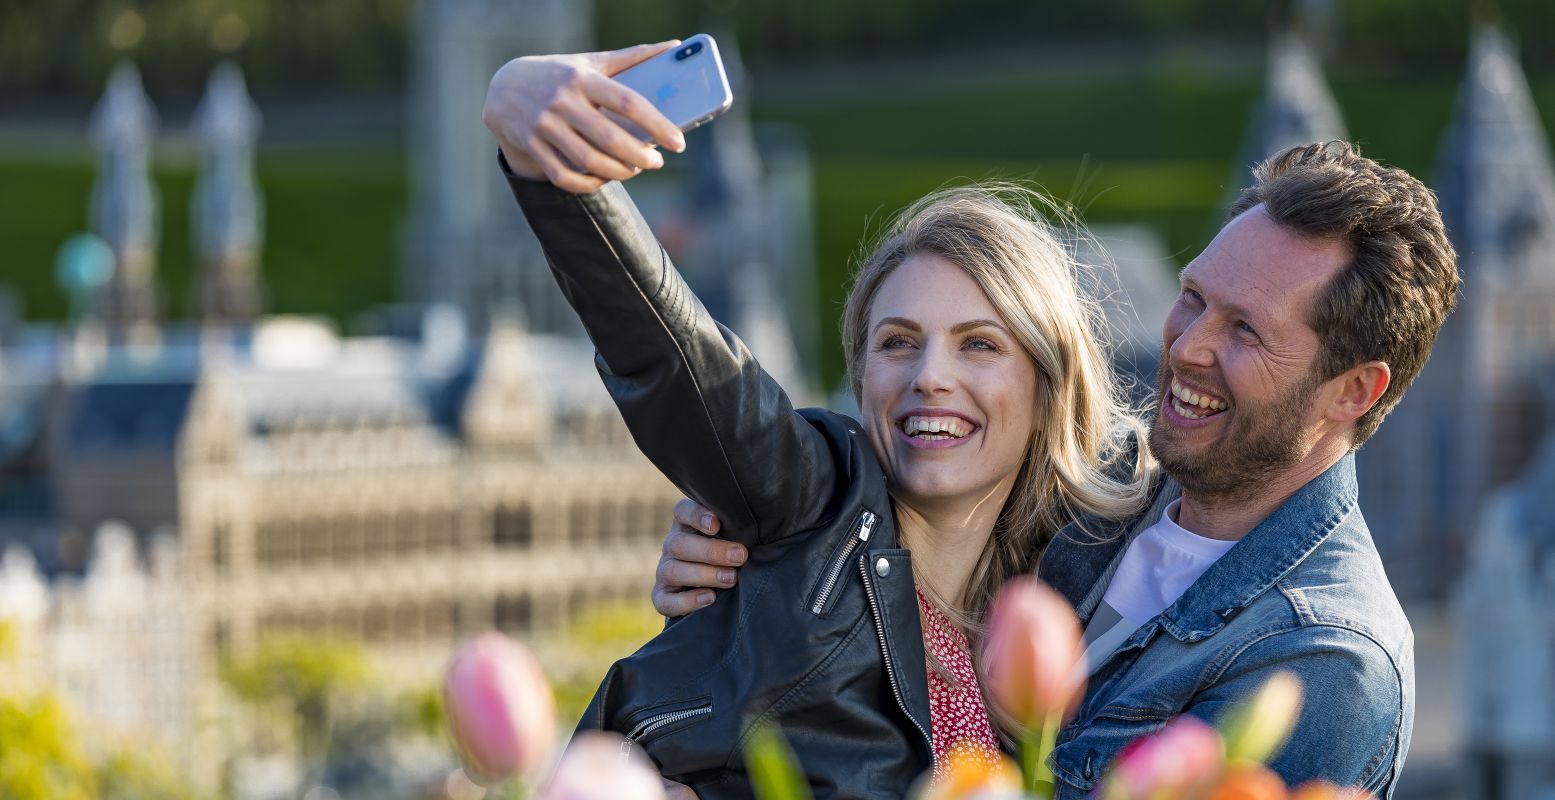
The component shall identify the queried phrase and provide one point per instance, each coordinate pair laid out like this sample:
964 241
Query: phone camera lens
688 51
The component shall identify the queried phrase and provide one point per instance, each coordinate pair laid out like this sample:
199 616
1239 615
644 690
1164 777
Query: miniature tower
1296 108
1472 418
227 211
124 206
466 244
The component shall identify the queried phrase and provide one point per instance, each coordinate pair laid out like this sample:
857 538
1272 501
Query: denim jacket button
882 567
1090 759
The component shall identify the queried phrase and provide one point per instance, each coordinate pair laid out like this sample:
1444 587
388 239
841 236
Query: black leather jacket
821 635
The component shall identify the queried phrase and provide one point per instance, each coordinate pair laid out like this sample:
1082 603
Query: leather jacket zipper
885 652
658 721
860 535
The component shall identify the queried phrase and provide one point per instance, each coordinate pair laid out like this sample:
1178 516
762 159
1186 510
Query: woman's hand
546 114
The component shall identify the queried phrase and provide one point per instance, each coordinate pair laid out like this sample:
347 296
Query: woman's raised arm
695 400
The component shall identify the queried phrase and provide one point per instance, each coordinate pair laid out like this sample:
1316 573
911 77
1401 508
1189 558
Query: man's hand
678 791
546 114
693 562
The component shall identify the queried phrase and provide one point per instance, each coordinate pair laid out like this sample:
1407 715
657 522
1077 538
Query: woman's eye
981 344
1242 326
893 342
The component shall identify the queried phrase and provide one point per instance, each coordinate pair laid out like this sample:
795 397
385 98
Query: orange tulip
1032 655
499 707
1247 781
971 772
1324 790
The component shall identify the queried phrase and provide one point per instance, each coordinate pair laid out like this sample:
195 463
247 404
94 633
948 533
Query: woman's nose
935 373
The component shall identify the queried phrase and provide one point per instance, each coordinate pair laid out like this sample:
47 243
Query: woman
988 419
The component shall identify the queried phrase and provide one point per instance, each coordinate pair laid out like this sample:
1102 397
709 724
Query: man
1296 331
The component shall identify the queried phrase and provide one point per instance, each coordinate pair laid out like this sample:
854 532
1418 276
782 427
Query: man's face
1239 364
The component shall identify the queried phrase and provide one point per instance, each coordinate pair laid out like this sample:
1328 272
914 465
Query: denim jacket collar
1265 555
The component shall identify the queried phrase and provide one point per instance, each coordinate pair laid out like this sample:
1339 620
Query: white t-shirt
1159 565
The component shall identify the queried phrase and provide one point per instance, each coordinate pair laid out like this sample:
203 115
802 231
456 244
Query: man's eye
1242 326
1193 296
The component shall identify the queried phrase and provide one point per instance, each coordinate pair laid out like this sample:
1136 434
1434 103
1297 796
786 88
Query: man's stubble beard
1261 442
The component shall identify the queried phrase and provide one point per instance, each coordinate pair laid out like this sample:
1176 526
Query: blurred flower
597 767
1182 759
1323 790
499 707
1255 731
972 773
1249 782
1032 655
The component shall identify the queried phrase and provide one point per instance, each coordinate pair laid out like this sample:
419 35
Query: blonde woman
988 419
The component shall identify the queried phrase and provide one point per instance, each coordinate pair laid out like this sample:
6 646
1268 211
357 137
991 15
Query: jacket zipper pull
867 527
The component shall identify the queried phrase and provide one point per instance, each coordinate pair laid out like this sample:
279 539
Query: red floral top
955 706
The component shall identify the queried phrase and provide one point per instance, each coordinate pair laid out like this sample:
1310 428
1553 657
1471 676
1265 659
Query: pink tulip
1182 759
499 707
594 768
1032 655
1318 789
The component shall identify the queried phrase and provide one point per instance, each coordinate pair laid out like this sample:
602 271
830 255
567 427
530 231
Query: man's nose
1193 345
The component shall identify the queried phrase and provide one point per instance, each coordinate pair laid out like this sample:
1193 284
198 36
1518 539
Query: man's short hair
1388 303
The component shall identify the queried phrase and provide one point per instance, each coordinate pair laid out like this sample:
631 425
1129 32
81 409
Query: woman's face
948 395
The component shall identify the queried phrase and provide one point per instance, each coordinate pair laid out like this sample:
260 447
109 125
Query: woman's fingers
558 171
608 93
581 153
612 61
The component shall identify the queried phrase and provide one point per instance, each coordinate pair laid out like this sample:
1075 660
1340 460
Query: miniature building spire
1296 108
124 205
728 194
1493 178
227 211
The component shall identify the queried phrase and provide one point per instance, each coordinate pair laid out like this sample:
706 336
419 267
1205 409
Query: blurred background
289 405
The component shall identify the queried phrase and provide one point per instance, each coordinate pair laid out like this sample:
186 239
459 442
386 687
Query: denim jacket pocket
1079 762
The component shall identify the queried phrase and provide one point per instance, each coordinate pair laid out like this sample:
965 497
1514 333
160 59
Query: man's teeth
1189 397
950 427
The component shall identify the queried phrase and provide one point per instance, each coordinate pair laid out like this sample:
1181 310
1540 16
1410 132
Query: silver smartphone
686 83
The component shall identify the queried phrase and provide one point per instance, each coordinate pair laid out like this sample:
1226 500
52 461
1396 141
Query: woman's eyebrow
972 324
900 322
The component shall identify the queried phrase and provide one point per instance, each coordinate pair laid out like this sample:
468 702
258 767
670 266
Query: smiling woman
989 418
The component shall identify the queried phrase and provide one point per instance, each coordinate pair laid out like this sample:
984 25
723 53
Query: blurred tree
41 758
128 776
598 636
305 676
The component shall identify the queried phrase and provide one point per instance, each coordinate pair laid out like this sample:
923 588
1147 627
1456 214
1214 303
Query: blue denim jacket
1304 591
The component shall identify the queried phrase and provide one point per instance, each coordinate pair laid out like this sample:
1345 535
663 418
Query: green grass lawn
1156 147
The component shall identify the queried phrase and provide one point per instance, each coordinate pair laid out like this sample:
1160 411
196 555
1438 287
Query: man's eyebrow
1232 308
978 323
900 322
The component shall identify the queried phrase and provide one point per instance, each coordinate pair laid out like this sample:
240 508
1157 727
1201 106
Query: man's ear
1358 389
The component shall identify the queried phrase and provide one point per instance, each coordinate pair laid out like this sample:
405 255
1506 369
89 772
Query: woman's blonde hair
1082 458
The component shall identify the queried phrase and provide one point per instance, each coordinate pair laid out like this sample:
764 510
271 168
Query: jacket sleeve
1356 715
696 402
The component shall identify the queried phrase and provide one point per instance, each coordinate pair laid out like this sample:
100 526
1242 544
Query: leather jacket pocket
648 725
1080 762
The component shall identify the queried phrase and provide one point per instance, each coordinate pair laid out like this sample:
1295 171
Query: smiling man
1296 331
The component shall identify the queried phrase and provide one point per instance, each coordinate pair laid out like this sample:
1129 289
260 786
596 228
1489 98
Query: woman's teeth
936 428
1192 405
